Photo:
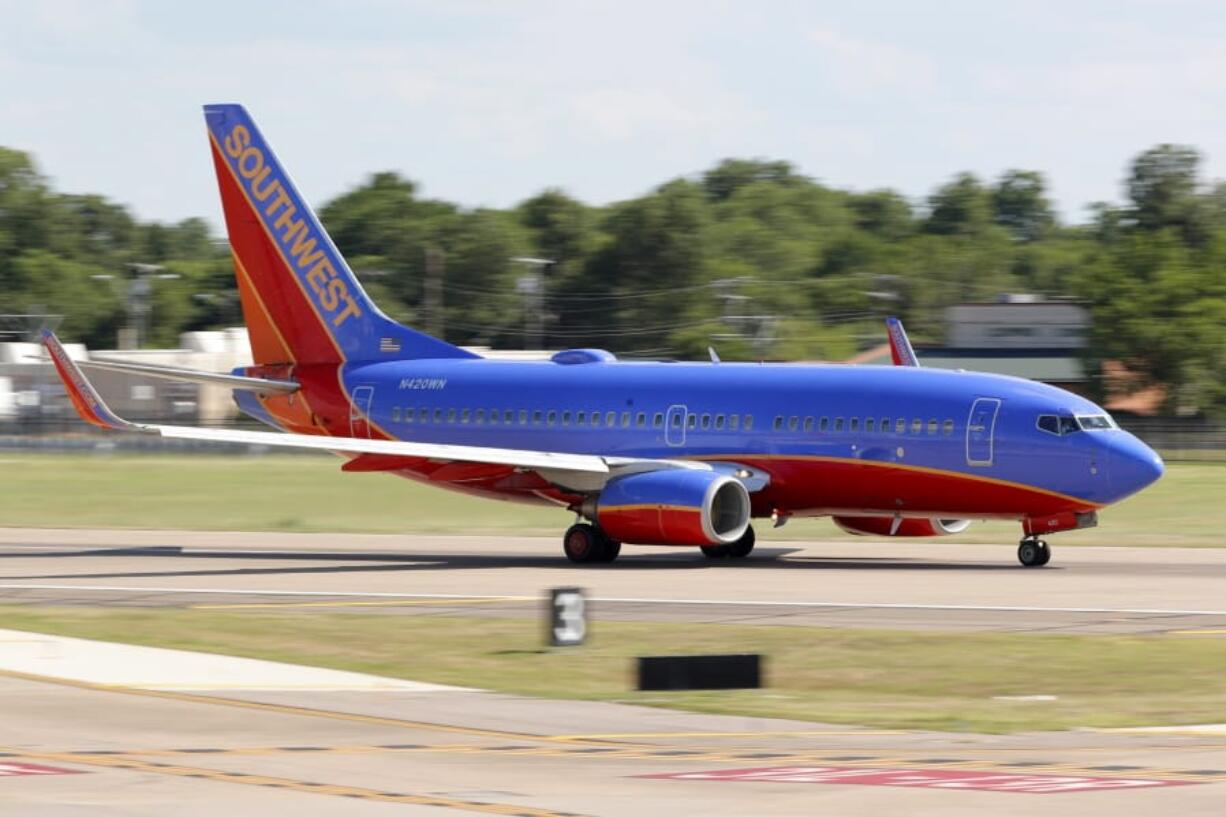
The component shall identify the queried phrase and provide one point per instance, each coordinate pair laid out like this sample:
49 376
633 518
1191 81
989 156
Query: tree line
750 257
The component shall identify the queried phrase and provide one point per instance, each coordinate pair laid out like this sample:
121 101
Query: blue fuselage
852 428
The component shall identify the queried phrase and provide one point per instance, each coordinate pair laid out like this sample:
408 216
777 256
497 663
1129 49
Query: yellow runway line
389 603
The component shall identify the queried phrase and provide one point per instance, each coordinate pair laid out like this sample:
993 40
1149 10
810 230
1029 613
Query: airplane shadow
764 558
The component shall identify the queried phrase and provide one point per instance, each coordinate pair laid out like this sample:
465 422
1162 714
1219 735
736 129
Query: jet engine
881 525
672 507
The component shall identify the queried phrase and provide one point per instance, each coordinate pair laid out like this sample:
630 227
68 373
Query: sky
488 103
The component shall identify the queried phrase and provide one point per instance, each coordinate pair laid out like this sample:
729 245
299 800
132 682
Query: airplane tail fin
301 302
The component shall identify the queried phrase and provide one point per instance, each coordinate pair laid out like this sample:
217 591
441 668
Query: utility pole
433 294
137 295
532 287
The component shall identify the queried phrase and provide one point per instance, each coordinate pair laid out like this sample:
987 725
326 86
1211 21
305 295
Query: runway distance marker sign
926 779
24 769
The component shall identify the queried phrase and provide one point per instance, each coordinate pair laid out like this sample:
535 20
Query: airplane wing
900 344
584 471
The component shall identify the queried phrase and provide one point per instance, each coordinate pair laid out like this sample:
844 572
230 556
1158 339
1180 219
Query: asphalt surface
106 751
841 583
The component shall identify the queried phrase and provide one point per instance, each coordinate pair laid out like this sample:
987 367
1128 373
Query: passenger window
657 420
868 425
778 422
508 416
480 417
677 420
465 415
395 414
692 422
706 422
537 416
917 425
900 426
494 415
734 420
824 425
885 425
551 418
451 415
793 422
719 422
610 419
932 427
625 419
423 415
580 418
853 424
808 424
838 424
595 419
948 427
641 419
566 418
523 417
748 422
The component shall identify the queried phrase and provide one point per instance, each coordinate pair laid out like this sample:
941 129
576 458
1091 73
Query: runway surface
73 748
841 583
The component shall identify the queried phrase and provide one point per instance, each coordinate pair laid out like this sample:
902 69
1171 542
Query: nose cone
1134 465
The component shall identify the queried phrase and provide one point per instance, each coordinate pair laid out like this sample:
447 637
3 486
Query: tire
609 548
1033 553
1046 557
717 551
581 544
744 546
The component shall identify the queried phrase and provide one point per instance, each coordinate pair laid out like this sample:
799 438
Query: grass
884 679
305 493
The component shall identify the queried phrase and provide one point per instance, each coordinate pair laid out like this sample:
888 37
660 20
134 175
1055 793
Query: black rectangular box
700 672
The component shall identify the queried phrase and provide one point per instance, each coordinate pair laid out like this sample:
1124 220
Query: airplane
645 453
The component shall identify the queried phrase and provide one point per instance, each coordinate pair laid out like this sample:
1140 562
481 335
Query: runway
838 583
78 748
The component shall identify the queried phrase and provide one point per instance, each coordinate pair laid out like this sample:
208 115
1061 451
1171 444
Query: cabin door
359 411
981 430
674 425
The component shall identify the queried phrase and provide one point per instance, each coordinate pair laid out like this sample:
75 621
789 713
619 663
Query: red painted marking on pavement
926 779
22 769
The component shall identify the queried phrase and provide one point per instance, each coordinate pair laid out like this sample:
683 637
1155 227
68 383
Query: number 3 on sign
568 617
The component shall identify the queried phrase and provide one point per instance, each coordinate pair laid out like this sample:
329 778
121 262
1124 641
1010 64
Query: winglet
900 345
84 397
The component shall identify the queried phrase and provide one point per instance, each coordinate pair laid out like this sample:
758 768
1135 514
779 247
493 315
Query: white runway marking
851 605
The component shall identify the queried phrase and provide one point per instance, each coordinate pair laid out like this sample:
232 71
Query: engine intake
880 526
674 507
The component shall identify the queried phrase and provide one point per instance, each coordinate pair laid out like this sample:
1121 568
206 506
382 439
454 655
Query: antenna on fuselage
711 352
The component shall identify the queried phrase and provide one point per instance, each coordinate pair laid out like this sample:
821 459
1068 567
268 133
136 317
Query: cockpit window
1058 424
1095 422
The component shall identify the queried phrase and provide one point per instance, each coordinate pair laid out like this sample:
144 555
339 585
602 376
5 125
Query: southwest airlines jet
649 453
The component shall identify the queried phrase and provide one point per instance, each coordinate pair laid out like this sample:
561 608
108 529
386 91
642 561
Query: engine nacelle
674 507
880 526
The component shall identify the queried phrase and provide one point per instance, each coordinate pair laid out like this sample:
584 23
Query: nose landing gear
1033 552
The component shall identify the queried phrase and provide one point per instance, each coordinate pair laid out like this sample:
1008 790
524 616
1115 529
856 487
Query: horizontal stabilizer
233 381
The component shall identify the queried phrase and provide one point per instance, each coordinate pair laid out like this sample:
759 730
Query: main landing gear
587 544
736 550
1033 552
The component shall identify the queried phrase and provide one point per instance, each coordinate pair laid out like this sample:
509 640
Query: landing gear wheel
581 544
587 544
744 546
717 551
609 548
1033 553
